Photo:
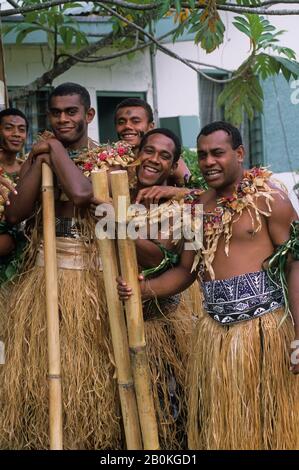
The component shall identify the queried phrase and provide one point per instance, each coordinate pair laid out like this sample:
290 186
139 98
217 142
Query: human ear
90 115
173 168
240 153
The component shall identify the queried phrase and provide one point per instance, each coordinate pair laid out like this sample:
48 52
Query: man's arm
171 282
76 186
22 204
148 253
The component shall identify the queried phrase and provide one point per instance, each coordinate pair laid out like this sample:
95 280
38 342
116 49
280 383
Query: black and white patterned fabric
241 298
67 227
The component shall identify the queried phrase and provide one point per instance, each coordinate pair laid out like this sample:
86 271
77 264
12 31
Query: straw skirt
241 392
90 401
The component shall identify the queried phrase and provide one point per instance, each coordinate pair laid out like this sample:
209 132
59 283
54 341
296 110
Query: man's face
69 120
131 123
13 133
218 162
156 160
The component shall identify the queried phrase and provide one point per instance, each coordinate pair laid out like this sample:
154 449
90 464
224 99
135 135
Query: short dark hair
13 112
232 131
130 102
168 133
70 88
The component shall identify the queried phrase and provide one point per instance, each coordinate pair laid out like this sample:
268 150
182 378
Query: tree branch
165 49
60 68
49 4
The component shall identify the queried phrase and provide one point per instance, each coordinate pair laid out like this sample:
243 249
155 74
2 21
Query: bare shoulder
280 204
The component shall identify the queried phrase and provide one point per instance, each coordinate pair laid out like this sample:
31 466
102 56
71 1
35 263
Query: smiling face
131 123
156 160
69 120
219 163
13 133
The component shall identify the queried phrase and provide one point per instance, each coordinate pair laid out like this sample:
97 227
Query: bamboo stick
54 376
118 326
134 315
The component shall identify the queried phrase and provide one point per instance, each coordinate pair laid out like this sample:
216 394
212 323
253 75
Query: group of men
225 380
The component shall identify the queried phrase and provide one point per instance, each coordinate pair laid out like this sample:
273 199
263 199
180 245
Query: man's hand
154 194
125 291
40 147
93 206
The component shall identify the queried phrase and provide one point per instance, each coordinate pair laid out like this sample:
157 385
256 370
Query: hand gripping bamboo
55 400
118 326
134 315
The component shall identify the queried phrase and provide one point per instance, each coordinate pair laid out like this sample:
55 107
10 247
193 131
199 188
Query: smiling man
169 322
134 118
243 377
90 407
13 133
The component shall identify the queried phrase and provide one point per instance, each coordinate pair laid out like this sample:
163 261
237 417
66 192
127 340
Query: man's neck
229 190
7 159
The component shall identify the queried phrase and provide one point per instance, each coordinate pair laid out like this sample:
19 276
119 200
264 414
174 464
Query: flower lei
228 211
105 156
5 190
99 156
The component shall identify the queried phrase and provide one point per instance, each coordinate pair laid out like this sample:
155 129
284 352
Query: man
168 324
133 118
90 406
242 393
13 133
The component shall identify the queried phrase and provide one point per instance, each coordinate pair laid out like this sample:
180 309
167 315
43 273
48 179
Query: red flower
102 156
88 166
121 151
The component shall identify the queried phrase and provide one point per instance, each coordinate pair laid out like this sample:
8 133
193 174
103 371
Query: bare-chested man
13 133
244 391
90 409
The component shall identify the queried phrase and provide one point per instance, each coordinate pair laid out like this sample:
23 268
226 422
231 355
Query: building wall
177 85
26 63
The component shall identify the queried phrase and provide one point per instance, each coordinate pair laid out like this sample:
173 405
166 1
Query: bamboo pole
118 326
54 376
134 315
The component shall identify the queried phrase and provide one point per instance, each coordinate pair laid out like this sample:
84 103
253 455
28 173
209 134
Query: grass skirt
168 341
242 394
89 391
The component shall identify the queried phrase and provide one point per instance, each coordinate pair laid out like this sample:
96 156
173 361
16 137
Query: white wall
26 63
289 180
177 84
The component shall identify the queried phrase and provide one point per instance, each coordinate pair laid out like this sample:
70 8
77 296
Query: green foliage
196 180
54 22
199 17
244 93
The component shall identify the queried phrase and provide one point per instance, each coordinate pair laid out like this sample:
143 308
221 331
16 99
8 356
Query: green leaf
241 95
241 27
288 67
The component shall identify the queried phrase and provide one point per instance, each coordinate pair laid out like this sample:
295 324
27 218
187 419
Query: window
106 103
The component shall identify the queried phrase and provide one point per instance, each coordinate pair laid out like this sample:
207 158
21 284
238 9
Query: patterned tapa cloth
241 298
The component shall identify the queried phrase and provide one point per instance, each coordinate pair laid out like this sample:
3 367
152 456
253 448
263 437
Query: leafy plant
196 180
